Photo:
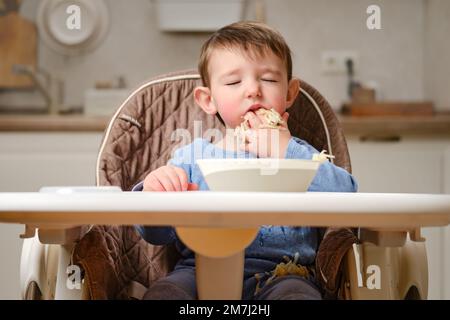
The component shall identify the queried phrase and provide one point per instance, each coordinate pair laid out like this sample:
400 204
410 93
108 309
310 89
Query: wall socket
334 61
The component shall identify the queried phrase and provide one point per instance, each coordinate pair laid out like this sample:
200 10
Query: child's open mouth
256 107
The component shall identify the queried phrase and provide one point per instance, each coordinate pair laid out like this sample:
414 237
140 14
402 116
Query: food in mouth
272 120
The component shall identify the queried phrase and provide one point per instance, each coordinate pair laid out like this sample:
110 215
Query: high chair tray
272 175
227 209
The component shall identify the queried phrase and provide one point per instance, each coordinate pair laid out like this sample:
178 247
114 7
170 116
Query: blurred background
384 66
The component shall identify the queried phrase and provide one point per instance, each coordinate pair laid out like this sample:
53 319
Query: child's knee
166 290
178 285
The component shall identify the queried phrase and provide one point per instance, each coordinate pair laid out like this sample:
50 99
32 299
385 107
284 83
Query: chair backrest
139 137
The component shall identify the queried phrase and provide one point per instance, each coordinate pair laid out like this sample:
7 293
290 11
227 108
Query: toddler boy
246 69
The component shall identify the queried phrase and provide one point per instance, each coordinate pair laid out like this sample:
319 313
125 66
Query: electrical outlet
335 62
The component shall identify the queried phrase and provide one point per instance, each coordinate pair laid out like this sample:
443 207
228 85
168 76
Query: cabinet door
32 160
406 167
446 236
10 251
28 162
435 248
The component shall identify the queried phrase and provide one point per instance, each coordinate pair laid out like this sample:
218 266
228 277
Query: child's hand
266 143
168 178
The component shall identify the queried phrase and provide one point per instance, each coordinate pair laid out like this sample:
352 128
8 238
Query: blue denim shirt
272 242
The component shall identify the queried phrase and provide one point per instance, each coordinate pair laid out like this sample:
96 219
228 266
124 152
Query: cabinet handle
380 138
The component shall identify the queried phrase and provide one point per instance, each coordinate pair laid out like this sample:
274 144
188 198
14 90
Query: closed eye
269 80
232 83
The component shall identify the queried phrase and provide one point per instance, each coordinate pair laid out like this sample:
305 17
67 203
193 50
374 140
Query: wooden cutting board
17 46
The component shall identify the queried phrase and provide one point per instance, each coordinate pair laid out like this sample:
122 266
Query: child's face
239 84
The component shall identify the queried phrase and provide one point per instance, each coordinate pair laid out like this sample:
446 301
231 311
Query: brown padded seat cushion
138 140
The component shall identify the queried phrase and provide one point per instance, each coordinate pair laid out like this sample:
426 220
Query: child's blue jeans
180 285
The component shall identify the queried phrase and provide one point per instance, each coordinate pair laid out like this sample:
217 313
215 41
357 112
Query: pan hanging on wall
72 27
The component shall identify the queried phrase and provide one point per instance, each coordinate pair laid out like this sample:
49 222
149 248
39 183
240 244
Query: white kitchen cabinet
411 165
30 160
446 235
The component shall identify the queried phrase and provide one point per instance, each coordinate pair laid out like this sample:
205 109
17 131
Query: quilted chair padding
140 138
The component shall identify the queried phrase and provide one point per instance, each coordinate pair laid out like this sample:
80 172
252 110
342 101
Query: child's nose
253 90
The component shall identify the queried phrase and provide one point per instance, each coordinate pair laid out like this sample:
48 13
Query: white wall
437 52
391 56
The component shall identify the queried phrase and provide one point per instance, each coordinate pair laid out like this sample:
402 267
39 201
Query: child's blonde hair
251 37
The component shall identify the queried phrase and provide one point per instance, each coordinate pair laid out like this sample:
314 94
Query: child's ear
293 89
203 98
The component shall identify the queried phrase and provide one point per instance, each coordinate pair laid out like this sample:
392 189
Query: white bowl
271 175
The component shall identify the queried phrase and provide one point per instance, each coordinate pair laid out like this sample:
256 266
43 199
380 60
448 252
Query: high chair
117 263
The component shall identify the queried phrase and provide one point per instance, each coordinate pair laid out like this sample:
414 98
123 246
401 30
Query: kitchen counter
53 123
438 124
